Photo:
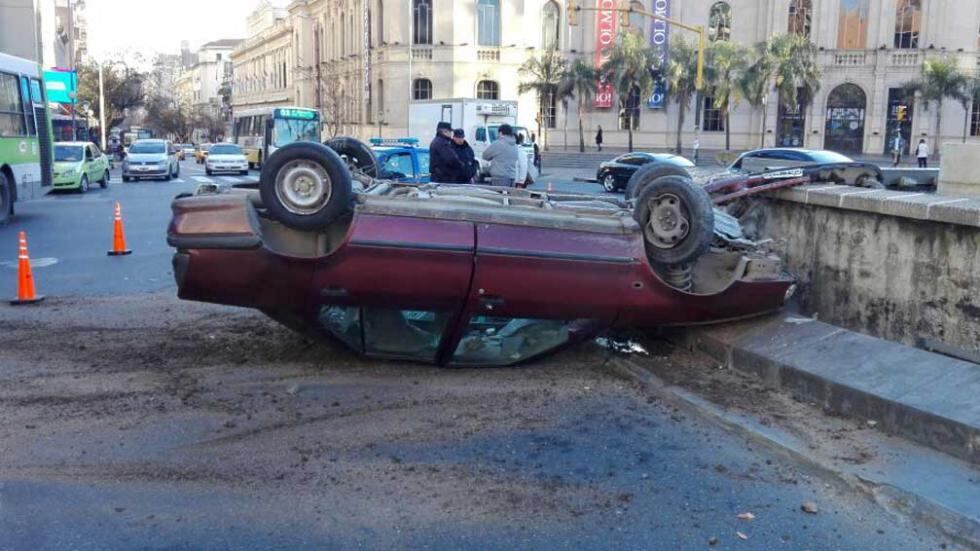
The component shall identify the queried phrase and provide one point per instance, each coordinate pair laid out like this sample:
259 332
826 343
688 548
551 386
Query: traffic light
901 113
571 7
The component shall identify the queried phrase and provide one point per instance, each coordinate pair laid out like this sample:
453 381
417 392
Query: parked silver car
151 159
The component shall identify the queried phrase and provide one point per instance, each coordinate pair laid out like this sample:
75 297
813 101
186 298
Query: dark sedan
777 158
615 174
461 274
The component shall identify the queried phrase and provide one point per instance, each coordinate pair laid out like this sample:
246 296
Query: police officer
443 162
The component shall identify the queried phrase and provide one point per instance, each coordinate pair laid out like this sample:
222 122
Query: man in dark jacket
443 162
466 156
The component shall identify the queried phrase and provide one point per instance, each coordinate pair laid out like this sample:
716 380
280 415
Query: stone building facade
363 61
264 63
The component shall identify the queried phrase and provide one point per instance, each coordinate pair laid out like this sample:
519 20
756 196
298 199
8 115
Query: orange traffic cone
25 278
118 237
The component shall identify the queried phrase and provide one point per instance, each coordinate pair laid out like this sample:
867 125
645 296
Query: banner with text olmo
660 42
605 40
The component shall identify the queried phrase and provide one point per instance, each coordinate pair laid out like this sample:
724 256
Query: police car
401 159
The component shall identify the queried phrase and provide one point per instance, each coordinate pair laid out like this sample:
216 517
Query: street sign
60 86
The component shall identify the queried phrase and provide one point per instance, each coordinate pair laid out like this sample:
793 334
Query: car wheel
83 184
251 166
609 183
647 174
6 199
305 185
126 178
177 174
358 156
243 172
677 218
208 171
104 182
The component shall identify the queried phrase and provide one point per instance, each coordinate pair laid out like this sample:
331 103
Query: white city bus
261 131
25 133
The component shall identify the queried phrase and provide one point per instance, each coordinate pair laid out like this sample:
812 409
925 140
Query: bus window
11 108
288 131
36 95
28 108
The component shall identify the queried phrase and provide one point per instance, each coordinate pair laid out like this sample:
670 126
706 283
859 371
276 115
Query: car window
503 341
399 165
148 147
423 163
408 334
481 134
88 153
226 149
829 157
96 152
67 153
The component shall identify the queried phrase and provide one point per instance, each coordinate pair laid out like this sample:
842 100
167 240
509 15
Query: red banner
605 39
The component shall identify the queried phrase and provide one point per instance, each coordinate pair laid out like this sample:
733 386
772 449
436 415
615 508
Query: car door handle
491 302
334 292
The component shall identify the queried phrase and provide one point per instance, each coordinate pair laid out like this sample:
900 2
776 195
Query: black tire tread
341 194
702 219
647 174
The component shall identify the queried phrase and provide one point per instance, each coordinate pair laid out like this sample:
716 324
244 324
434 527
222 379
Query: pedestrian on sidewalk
897 146
502 155
444 165
598 138
922 153
466 156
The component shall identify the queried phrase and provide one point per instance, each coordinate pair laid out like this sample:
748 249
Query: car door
396 285
88 164
538 288
94 163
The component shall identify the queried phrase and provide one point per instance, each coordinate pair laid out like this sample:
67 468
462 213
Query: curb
894 495
924 397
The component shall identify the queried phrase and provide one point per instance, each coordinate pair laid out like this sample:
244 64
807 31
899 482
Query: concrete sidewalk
925 397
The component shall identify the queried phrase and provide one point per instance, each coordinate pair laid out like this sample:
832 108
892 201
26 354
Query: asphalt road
143 422
134 420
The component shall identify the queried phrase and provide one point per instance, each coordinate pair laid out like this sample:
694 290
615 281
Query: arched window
638 22
800 17
422 22
844 130
720 22
550 32
852 25
422 89
487 89
908 22
488 22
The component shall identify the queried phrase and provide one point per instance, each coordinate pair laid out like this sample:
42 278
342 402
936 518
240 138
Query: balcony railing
849 59
421 54
905 59
488 55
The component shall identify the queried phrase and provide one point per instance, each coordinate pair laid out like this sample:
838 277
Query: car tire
310 164
209 172
126 178
357 154
609 183
251 166
684 227
649 173
104 182
83 184
6 199
243 173
177 174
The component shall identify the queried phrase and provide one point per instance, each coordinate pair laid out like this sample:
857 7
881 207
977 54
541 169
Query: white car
226 157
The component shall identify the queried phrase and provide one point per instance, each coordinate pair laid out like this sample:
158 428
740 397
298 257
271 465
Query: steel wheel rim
609 182
668 223
303 187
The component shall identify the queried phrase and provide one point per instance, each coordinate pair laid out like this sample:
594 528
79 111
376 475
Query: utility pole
102 106
411 16
74 70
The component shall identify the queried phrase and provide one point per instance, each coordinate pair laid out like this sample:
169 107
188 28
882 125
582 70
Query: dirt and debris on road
131 420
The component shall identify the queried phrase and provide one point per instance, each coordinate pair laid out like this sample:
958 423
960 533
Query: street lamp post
74 70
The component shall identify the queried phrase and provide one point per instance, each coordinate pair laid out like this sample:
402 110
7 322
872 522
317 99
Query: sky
152 26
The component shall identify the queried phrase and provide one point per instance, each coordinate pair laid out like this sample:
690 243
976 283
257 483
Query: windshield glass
517 130
148 147
493 340
295 130
829 157
68 153
226 149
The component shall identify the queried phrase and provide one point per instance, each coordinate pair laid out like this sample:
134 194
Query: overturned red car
464 275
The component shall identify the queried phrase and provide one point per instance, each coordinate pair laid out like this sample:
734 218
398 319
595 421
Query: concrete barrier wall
901 266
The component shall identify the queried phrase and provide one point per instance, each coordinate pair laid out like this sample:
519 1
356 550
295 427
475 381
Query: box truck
478 118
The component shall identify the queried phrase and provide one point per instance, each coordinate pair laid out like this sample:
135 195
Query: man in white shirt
520 180
922 153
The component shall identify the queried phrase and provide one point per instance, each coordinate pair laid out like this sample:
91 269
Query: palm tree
628 70
725 64
579 84
543 74
681 76
971 94
941 80
786 63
